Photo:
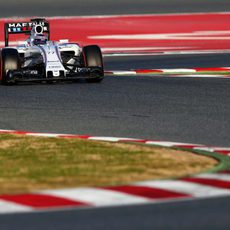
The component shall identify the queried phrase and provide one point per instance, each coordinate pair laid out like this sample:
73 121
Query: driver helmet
37 36
39 39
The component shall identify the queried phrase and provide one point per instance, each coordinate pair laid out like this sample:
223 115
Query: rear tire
93 58
9 61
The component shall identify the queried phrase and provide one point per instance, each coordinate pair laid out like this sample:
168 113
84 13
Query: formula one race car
40 59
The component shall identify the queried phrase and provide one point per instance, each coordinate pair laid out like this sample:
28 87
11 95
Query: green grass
32 163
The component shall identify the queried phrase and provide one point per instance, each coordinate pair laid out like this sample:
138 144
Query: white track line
111 139
179 70
10 207
97 197
170 144
219 176
190 188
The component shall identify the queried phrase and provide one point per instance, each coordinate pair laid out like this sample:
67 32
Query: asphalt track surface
94 7
170 109
190 215
193 110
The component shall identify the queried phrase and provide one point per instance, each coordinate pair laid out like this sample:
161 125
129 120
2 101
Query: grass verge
34 163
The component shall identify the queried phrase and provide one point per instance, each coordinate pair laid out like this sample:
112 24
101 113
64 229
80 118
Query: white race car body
42 59
51 56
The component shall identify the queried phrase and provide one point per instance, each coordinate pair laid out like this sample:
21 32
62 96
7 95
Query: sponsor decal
54 67
82 70
24 24
34 72
30 72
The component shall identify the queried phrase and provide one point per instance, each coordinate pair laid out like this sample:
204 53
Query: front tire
93 58
10 61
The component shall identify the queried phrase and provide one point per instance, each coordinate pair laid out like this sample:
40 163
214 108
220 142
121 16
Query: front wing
36 75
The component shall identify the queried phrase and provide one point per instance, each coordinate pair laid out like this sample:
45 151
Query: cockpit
37 36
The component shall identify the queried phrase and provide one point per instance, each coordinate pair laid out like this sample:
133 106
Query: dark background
89 7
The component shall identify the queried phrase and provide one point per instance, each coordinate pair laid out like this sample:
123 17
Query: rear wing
25 28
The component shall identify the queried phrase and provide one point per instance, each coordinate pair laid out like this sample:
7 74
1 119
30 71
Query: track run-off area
143 33
153 108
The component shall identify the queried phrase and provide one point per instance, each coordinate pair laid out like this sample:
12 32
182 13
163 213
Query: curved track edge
214 183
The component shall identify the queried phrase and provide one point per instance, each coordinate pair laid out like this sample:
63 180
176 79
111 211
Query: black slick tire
93 58
9 61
